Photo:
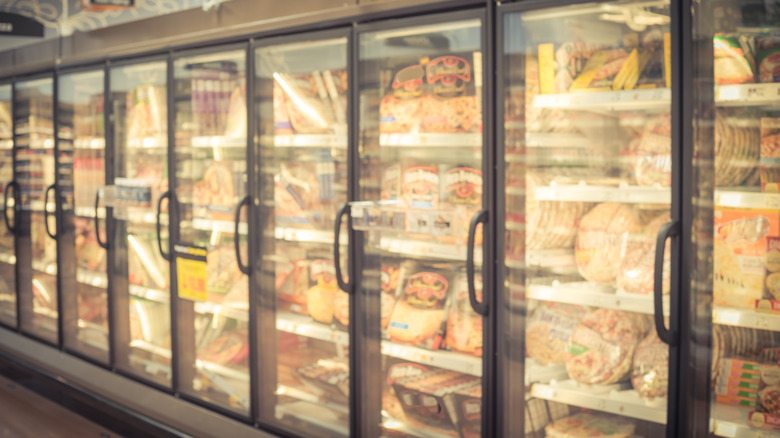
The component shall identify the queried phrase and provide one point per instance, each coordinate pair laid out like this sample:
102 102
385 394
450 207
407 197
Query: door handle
102 244
246 202
480 307
345 209
668 230
166 256
15 186
46 210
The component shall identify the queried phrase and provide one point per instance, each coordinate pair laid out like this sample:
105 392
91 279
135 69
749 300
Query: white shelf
311 398
304 235
425 249
92 278
147 143
745 318
7 258
149 294
551 258
46 268
613 399
220 309
747 94
545 140
442 359
732 422
239 375
216 141
6 144
758 200
588 294
35 144
306 140
536 373
216 225
304 326
421 432
653 98
431 140
89 143
588 193
89 212
316 415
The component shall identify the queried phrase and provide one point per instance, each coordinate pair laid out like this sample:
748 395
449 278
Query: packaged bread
600 239
549 330
602 347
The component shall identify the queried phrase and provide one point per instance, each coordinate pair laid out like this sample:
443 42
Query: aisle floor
25 414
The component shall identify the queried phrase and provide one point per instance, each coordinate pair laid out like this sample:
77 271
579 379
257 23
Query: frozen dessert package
602 347
420 313
740 247
549 330
601 238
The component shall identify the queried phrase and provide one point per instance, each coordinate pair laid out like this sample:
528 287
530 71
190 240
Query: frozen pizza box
464 406
422 396
767 409
740 254
327 377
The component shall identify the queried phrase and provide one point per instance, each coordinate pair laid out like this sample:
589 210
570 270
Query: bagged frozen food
464 326
420 313
549 330
304 193
737 148
587 424
601 236
602 347
550 224
650 368
637 268
734 62
654 153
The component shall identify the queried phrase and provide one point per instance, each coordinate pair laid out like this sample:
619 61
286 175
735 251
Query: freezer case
420 188
141 277
300 106
587 176
81 174
7 240
736 219
210 189
36 217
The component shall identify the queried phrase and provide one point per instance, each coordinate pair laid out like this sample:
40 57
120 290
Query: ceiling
63 17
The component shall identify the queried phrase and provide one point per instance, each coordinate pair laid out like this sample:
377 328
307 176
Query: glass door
301 107
587 188
421 187
210 189
7 241
81 172
37 224
140 283
736 217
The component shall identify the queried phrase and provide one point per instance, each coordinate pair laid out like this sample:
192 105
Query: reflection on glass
7 249
211 178
81 143
301 102
142 286
34 142
737 214
588 152
421 183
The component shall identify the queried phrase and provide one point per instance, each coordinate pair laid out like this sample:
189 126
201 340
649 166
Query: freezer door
140 283
81 174
586 192
34 142
7 240
211 184
421 186
735 219
300 103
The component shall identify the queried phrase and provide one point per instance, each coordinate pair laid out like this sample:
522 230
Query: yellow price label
191 274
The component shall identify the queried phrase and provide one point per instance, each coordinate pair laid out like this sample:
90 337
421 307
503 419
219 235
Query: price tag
191 272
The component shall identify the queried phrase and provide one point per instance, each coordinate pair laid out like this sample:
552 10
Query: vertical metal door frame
17 197
108 168
57 207
173 225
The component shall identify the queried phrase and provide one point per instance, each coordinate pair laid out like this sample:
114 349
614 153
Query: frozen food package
451 114
600 239
587 424
304 193
391 182
309 106
389 281
89 253
464 406
230 347
222 271
550 224
549 330
462 185
420 313
423 396
654 153
768 57
146 112
734 61
602 347
5 120
650 367
599 70
770 154
292 277
401 109
321 295
737 148
420 184
464 326
327 377
637 268
740 254
235 125
215 192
